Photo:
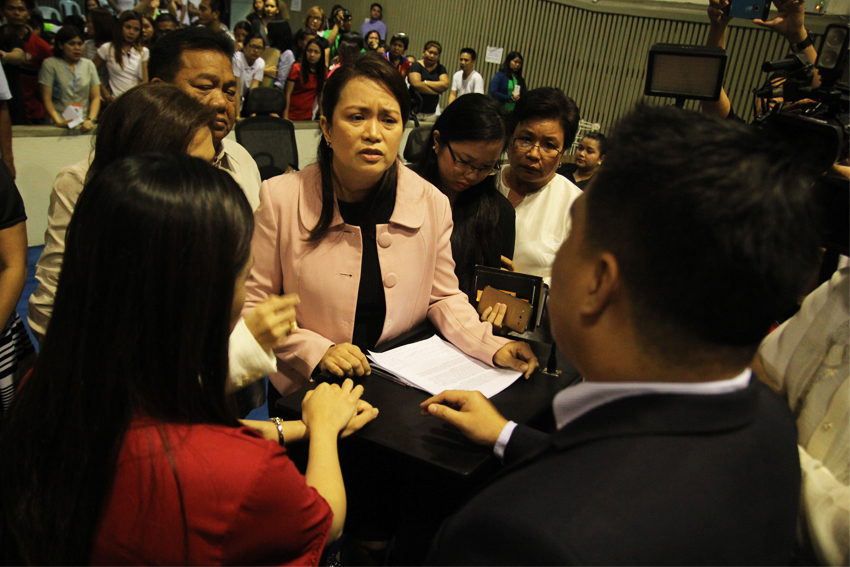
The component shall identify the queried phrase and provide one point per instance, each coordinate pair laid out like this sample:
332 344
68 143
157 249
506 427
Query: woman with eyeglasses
468 140
542 126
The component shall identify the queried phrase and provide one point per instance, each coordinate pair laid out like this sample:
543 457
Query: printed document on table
434 365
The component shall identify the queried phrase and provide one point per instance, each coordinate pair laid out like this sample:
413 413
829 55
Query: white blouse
132 74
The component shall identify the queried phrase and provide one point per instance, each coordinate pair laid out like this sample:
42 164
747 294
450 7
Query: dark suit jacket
645 480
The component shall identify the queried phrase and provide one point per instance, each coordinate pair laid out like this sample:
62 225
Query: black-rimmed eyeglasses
465 165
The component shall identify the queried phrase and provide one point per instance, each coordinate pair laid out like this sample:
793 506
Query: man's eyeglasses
546 149
468 167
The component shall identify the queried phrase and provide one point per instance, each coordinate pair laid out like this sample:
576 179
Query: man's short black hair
402 37
378 5
547 103
166 57
711 226
471 53
165 17
220 6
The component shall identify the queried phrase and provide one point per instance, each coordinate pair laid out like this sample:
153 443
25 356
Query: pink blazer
416 267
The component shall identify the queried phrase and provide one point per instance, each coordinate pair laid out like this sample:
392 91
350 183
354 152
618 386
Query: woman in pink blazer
363 241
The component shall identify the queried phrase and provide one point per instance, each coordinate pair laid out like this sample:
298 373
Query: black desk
401 428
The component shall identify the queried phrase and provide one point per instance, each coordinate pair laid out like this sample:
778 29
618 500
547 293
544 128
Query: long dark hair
134 123
470 118
104 25
381 200
321 70
506 67
151 342
118 35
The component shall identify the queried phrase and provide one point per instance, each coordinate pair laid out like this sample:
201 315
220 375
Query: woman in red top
305 82
121 447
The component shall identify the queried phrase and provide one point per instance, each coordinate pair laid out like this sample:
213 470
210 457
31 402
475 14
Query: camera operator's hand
717 13
789 20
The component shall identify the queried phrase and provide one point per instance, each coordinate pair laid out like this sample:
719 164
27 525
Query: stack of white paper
434 365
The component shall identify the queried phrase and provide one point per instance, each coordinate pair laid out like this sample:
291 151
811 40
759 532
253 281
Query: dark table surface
402 430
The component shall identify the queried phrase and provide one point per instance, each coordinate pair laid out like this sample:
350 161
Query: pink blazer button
391 280
385 240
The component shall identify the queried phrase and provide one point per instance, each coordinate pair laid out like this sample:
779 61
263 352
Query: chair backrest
264 101
270 141
417 144
584 128
69 7
51 14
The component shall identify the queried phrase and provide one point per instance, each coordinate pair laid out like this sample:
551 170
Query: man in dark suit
690 241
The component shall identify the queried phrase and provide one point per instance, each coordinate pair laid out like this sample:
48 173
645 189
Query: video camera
821 128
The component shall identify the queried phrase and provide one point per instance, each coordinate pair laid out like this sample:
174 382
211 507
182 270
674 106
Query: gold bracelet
279 423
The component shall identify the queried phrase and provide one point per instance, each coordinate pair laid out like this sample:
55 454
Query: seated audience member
430 79
468 140
305 83
12 56
240 31
805 359
277 12
302 36
507 85
541 127
467 80
156 468
164 25
372 40
149 118
350 49
341 19
283 67
211 14
17 351
248 67
125 57
590 152
395 55
17 14
788 21
314 20
100 28
68 79
374 23
147 31
670 452
257 12
199 62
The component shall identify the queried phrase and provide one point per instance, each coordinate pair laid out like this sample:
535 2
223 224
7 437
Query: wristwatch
798 47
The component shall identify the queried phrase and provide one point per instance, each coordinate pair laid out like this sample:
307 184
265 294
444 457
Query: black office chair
263 101
417 144
271 142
